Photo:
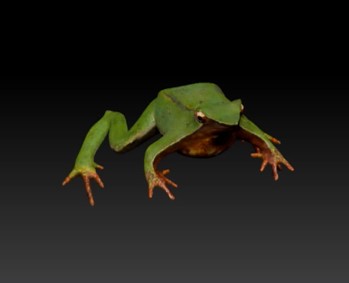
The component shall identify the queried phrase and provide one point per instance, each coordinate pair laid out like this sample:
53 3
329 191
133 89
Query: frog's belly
201 146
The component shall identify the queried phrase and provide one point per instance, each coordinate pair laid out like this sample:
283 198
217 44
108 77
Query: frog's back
194 94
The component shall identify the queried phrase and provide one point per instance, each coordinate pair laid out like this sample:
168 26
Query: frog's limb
120 138
263 144
154 153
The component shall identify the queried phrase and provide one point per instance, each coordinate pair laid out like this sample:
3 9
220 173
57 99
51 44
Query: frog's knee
109 113
113 114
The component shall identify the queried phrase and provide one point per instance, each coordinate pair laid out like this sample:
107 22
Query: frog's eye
241 107
201 117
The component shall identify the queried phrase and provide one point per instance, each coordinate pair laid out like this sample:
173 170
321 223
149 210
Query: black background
229 222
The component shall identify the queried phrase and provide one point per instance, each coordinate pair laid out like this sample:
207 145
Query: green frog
195 120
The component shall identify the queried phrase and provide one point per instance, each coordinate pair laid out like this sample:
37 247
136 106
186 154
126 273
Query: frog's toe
98 166
162 186
167 180
275 171
71 175
288 165
273 139
168 192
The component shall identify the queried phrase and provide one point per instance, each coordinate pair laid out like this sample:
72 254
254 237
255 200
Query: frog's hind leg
122 139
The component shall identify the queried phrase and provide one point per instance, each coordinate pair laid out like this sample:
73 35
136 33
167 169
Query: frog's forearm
156 151
254 134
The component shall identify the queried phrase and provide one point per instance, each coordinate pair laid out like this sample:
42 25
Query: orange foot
86 174
158 179
274 158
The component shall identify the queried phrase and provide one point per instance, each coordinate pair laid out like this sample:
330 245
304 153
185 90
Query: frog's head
223 113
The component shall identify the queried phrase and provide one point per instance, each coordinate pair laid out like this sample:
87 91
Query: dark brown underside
208 141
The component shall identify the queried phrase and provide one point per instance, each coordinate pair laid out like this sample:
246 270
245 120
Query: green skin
195 120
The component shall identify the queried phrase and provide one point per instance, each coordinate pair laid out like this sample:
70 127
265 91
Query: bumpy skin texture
195 120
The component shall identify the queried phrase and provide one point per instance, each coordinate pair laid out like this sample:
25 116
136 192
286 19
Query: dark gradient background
229 222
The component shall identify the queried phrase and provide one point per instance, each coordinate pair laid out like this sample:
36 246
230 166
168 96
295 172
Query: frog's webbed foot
274 158
158 179
86 173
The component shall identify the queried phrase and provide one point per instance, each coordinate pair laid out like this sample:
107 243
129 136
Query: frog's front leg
120 138
154 153
263 144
